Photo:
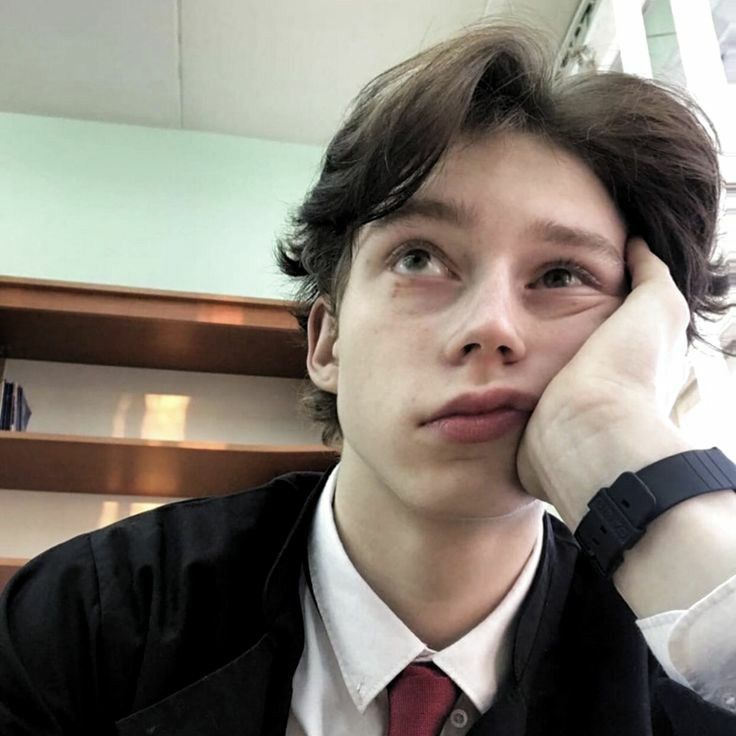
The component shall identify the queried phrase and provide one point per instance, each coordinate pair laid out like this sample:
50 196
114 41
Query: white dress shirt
354 645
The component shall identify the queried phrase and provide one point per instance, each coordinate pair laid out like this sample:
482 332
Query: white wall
146 207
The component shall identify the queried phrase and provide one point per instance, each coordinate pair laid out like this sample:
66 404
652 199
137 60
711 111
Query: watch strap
618 515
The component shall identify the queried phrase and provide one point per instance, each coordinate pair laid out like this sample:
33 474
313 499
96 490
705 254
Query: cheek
382 354
560 343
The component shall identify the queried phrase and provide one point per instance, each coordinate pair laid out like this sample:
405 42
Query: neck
441 575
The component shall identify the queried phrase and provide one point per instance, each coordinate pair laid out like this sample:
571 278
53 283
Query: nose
489 323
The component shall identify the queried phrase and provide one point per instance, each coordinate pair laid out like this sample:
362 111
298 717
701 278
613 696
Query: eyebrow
461 215
550 231
440 210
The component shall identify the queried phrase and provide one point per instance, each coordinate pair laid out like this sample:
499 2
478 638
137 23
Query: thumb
643 265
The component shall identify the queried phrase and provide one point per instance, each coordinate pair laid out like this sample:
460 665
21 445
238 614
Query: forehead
515 184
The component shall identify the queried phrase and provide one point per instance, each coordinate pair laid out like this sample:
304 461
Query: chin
462 488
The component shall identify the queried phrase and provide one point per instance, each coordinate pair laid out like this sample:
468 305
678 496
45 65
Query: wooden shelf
101 325
76 323
8 567
47 462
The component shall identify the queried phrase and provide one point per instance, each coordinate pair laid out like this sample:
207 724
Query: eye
559 277
414 259
565 273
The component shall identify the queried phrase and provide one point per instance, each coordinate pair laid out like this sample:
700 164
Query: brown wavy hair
650 145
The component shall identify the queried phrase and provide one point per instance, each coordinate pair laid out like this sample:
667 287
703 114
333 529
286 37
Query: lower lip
479 427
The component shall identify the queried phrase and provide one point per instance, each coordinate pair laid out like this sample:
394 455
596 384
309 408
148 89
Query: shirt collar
372 645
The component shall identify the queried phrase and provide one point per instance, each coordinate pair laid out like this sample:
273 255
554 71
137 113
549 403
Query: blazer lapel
536 630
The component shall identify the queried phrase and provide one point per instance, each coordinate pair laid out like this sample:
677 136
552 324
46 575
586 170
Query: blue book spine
5 414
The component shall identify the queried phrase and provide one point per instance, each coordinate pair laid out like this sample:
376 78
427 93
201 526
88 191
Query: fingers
647 268
643 265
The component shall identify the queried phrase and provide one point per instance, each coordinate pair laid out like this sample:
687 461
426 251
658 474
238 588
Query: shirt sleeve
697 647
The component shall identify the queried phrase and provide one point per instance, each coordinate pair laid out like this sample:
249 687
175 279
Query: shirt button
458 718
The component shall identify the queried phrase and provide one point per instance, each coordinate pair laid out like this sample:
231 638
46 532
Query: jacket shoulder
208 528
161 597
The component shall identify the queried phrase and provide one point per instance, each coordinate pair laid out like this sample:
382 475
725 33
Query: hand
607 410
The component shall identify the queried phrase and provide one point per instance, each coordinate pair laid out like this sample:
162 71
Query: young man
499 272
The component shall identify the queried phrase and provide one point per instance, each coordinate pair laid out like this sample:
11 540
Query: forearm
685 554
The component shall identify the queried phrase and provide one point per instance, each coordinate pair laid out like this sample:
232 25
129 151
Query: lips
485 403
482 417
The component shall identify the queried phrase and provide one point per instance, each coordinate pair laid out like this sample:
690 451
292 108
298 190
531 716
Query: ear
322 357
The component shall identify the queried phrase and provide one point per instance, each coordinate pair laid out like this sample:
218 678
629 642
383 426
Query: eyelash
576 268
407 248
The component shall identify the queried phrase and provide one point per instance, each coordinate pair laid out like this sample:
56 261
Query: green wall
146 207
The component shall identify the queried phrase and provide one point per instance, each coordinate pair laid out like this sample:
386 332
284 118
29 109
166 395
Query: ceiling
274 69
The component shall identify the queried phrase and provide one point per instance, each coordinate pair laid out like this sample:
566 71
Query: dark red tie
419 701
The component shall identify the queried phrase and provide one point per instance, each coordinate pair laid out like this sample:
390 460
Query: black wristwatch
618 516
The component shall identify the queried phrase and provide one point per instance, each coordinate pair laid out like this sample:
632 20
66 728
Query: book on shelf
15 413
23 411
6 402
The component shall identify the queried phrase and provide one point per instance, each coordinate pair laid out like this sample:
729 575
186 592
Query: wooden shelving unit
46 320
76 323
47 462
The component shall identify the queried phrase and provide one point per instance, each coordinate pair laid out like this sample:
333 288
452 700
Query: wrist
574 462
621 514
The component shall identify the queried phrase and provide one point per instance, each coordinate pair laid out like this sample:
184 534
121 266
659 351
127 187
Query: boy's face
484 281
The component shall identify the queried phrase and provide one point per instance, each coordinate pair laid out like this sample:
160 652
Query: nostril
503 349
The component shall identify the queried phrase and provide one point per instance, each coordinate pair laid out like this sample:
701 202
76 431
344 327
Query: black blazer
186 621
